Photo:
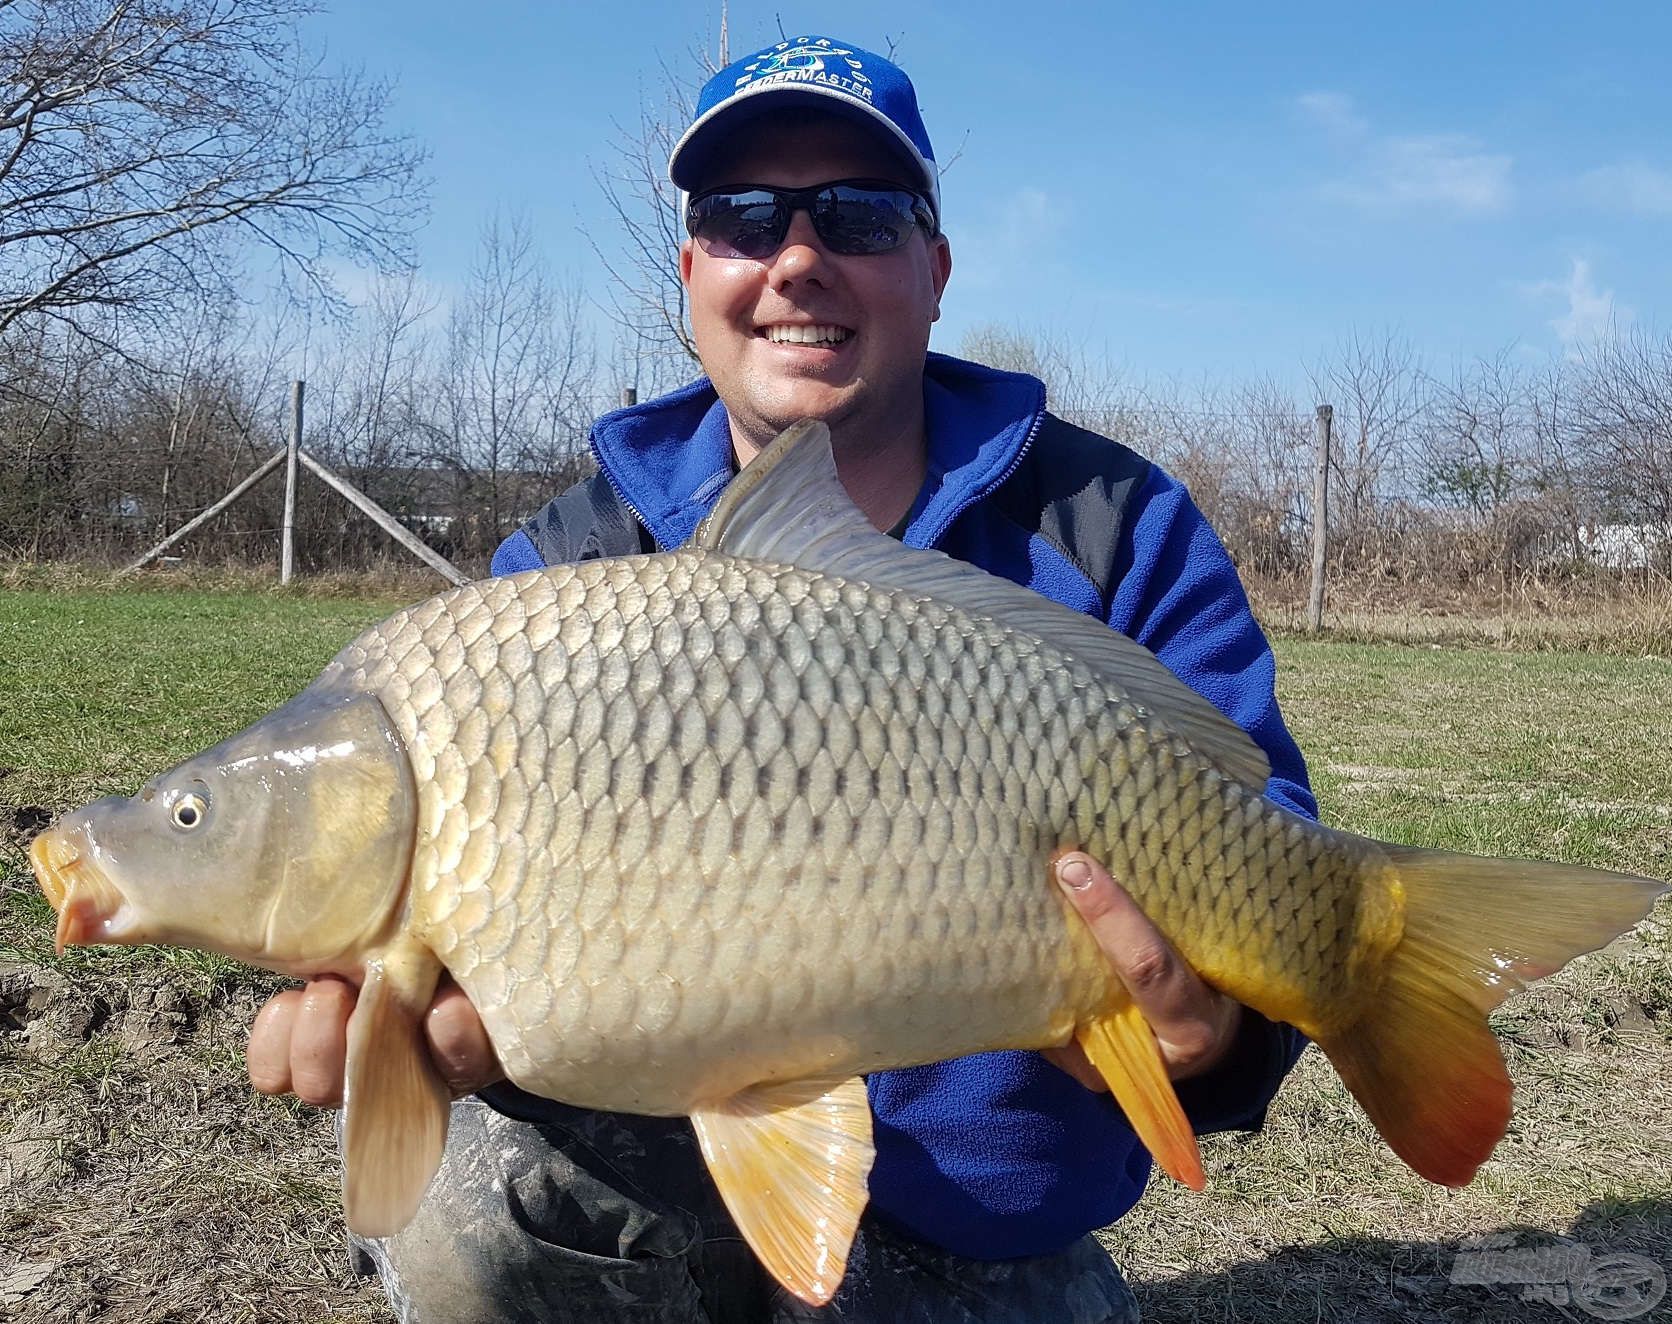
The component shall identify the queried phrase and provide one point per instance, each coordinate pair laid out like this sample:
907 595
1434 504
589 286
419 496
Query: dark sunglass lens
861 221
737 225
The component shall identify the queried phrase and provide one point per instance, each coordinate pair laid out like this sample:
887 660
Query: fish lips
91 909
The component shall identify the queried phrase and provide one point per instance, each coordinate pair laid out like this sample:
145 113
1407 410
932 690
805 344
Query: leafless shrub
1624 419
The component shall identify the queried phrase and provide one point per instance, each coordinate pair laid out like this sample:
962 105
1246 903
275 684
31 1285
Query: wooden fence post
1320 520
291 457
287 539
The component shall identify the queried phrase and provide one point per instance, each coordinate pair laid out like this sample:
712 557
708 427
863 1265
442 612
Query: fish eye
189 811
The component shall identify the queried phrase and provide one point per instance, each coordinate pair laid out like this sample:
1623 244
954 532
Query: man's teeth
807 335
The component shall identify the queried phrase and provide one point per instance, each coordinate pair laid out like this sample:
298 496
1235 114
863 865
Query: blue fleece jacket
1003 1155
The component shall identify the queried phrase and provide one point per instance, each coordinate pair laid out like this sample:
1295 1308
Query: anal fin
1122 1047
395 1105
791 1160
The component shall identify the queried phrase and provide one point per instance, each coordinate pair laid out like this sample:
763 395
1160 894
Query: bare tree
145 143
368 387
1084 388
646 296
1559 478
1476 450
1625 416
516 383
1378 390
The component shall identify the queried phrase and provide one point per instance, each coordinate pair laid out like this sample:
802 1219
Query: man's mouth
789 333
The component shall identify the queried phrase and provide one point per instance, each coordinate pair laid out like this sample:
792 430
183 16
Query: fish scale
857 745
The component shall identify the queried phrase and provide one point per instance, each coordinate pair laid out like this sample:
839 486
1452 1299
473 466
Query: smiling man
815 268
791 326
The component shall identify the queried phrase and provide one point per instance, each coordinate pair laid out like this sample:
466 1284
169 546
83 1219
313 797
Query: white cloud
1404 172
1005 241
1446 170
1333 111
1631 186
1591 314
1027 216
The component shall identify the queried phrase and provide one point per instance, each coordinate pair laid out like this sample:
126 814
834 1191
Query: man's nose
802 255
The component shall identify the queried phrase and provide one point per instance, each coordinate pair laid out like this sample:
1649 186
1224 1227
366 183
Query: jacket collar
670 457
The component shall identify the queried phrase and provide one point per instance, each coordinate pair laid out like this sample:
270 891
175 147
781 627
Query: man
815 268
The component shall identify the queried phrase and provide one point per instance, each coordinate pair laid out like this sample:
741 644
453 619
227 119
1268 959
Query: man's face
872 377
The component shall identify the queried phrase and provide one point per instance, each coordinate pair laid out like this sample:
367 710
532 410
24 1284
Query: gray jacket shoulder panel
1073 489
585 523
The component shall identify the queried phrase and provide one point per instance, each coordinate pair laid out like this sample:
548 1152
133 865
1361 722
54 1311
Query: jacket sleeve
516 553
1178 594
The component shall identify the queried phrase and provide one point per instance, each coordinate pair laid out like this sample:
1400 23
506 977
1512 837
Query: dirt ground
141 1180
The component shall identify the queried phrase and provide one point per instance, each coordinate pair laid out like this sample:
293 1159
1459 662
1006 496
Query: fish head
286 846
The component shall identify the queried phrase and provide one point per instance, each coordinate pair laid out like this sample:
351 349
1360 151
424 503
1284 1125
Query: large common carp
714 832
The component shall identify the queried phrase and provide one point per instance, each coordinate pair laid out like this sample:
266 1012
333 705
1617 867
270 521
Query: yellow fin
1122 1047
791 1159
395 1105
1422 1060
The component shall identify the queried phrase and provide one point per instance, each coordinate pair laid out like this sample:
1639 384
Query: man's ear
940 268
685 251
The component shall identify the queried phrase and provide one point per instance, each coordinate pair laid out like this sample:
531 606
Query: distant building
1624 546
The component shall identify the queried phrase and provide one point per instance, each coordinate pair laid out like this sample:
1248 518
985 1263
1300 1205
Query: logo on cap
808 60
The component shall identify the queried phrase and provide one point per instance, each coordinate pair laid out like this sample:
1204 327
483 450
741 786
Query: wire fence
1494 476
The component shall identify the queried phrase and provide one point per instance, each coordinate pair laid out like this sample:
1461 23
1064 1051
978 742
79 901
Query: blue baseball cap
810 71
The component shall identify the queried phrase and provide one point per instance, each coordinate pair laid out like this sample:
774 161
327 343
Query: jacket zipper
1009 469
621 496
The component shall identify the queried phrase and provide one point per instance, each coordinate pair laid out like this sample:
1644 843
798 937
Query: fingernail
1074 872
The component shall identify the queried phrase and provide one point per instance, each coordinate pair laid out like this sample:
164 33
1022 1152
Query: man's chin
826 405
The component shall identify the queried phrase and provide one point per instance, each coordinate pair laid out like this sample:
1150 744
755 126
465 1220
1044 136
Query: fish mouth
90 907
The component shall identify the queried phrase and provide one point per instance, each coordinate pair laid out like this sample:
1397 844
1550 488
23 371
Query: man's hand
1194 1024
299 1042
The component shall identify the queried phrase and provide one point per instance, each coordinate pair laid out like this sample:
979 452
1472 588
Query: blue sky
1191 191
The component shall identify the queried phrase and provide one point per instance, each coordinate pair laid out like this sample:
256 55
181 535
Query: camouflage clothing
542 1213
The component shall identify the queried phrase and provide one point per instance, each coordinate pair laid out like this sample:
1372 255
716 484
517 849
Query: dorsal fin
788 506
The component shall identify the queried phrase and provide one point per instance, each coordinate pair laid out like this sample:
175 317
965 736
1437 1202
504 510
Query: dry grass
1313 1219
391 580
1501 752
1631 615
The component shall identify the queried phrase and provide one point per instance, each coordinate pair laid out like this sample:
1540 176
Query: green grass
1501 753
102 688
106 687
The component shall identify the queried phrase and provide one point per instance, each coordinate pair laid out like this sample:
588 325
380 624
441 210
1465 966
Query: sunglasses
852 217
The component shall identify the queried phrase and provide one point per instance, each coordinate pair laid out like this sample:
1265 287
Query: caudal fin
1421 1061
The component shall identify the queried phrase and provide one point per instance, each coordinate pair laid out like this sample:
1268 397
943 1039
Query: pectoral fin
1122 1047
395 1106
791 1160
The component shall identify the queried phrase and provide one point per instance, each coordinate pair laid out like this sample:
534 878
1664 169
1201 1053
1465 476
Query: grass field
141 1181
